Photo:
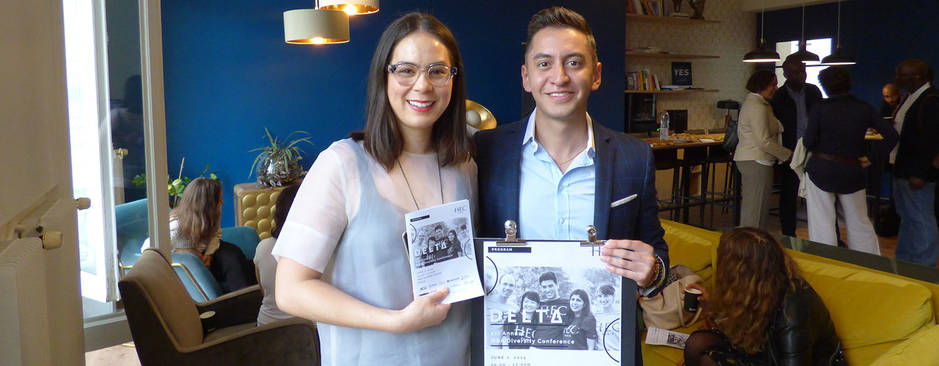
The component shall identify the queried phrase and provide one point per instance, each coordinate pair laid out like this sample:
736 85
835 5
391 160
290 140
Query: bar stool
725 198
693 157
667 159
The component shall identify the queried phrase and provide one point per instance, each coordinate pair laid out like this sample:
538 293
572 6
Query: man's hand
916 183
632 259
935 162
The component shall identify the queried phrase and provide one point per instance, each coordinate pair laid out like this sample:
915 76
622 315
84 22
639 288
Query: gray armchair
167 328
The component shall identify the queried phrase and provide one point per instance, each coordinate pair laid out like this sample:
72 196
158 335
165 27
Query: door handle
82 203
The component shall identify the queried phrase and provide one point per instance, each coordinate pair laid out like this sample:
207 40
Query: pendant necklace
439 180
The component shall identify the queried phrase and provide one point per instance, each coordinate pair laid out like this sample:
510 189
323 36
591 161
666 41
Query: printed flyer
440 243
550 303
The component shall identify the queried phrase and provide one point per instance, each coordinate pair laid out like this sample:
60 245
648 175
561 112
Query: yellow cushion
867 354
920 349
690 246
869 308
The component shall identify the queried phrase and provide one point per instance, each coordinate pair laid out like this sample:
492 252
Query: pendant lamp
351 7
316 26
804 54
838 58
761 54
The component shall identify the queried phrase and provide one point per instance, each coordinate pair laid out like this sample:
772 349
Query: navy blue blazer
624 166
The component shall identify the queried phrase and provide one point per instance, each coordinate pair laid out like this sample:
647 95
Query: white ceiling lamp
316 26
839 58
804 54
761 54
351 7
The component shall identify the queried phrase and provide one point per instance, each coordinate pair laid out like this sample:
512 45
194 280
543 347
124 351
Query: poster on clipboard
549 303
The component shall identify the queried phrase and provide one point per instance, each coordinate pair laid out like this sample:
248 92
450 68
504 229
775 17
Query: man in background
791 105
914 182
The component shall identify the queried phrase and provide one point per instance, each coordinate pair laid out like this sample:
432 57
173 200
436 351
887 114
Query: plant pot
276 170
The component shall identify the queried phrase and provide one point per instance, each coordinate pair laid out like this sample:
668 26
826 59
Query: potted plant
278 163
176 187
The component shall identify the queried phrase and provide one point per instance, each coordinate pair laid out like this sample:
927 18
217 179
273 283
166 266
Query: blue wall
878 34
228 74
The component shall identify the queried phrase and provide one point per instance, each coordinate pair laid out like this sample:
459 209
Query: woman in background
195 228
341 261
758 149
583 329
762 312
837 167
264 263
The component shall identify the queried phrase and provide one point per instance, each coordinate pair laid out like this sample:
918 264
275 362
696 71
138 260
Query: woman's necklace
439 180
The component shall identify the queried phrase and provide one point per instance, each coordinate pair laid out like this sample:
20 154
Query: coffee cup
691 299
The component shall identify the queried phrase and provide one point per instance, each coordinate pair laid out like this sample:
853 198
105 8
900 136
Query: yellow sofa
882 318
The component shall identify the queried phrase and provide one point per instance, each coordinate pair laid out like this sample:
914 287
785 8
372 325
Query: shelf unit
668 20
641 104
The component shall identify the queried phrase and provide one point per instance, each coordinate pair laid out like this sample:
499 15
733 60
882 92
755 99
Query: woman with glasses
342 262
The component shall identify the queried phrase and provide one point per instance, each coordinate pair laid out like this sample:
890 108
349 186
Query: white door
34 159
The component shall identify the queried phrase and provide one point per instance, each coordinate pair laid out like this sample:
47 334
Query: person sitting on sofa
195 228
265 265
762 312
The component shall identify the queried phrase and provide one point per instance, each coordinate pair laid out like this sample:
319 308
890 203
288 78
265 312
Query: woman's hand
206 259
423 312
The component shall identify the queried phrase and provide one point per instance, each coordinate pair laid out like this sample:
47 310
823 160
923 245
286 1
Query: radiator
24 328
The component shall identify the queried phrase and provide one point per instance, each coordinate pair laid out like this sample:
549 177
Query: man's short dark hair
560 17
760 80
607 290
548 276
835 80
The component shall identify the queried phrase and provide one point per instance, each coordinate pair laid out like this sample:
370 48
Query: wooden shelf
686 91
670 20
677 56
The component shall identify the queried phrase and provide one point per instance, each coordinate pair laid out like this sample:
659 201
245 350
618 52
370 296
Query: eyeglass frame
425 69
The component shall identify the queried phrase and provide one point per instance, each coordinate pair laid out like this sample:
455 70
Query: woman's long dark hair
282 207
752 274
198 213
382 138
583 296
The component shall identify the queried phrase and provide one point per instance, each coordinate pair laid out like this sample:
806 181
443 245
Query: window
820 47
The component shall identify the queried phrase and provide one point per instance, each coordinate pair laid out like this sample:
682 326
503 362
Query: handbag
664 310
730 136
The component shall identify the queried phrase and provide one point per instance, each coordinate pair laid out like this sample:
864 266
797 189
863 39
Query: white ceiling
757 5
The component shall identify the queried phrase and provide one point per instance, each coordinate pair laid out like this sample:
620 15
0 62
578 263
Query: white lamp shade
316 26
351 7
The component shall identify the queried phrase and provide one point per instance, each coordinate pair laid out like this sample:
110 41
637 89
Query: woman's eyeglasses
405 73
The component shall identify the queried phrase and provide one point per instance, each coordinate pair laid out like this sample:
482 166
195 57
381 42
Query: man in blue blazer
558 171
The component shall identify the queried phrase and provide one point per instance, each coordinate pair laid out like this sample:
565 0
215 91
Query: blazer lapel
603 180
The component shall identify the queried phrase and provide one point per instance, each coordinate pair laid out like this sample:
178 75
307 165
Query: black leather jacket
802 333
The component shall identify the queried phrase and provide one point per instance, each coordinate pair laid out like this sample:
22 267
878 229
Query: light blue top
370 264
552 204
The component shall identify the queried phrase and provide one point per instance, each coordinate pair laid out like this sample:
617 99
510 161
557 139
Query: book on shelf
642 80
629 7
637 6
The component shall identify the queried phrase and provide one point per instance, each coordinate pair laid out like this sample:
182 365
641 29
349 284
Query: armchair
132 229
197 279
167 330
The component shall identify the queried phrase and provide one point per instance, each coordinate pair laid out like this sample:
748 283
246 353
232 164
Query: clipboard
502 336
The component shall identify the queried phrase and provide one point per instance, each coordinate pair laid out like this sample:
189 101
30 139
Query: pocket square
623 201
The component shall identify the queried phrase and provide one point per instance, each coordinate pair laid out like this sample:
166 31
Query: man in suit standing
557 171
791 105
914 182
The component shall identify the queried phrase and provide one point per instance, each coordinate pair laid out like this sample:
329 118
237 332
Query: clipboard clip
511 234
592 238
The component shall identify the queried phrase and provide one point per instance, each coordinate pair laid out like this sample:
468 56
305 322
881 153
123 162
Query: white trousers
820 206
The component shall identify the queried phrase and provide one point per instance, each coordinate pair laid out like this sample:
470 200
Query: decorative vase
698 6
276 170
